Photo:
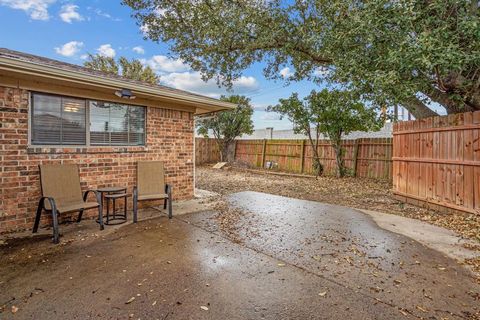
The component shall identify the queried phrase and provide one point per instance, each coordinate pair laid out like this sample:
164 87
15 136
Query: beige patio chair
151 186
61 193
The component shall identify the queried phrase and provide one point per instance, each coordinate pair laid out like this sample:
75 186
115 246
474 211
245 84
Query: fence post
263 152
355 157
302 157
234 150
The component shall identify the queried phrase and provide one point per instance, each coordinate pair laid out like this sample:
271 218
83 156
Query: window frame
87 123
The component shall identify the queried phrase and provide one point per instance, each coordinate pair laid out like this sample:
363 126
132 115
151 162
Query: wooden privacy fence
363 157
206 151
437 161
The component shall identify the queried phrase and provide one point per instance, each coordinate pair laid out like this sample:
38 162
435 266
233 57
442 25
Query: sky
68 30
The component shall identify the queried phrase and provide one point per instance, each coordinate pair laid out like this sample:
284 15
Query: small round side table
114 193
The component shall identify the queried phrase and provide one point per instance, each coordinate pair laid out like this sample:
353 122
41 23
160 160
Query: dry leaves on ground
352 192
359 193
230 222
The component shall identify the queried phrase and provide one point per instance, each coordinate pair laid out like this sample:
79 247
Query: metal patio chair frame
61 193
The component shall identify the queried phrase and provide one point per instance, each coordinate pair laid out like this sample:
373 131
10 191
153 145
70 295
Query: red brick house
54 112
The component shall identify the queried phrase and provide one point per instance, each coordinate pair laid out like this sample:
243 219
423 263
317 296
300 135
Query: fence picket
442 159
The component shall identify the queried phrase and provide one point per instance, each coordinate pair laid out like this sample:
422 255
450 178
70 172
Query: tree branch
418 109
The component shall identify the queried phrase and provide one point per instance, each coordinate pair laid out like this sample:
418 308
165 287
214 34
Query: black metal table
114 193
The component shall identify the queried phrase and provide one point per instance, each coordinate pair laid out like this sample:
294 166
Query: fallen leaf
281 264
154 302
204 308
422 309
14 309
323 294
130 300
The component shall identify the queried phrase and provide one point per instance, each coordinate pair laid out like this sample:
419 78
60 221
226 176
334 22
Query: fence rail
437 161
363 157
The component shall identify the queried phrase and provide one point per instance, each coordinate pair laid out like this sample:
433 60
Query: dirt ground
359 193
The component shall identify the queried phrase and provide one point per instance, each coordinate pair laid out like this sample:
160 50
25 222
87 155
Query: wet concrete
347 248
297 260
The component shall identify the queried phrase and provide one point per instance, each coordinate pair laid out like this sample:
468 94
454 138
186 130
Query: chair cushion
153 196
69 207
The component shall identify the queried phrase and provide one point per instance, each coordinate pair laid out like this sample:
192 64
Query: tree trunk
317 165
418 109
450 105
337 146
224 153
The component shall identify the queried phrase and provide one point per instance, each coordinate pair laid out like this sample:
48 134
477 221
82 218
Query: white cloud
192 81
271 116
286 73
260 106
138 49
106 50
36 9
69 49
321 72
162 64
159 12
69 13
103 14
144 29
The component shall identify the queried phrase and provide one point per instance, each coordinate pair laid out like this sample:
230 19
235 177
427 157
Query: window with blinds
116 124
58 120
63 121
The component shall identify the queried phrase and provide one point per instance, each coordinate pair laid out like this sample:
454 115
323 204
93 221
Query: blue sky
67 30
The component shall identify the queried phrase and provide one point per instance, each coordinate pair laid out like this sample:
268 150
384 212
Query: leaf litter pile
358 193
232 222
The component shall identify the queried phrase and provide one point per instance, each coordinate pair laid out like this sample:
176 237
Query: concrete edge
437 238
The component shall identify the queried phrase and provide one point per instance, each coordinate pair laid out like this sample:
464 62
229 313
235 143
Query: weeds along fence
436 162
370 157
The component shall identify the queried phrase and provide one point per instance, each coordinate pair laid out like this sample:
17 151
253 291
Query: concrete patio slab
160 269
347 247
296 260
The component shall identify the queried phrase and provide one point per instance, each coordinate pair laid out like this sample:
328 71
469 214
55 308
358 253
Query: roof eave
59 73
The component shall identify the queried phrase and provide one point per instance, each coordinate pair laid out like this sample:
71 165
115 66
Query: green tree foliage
392 52
332 113
226 126
101 63
132 69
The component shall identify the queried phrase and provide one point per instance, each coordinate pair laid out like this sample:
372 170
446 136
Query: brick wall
169 138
